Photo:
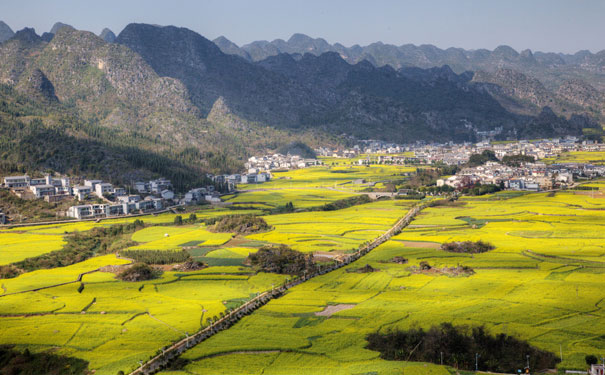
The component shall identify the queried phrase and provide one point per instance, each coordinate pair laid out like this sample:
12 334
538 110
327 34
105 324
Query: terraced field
544 283
82 310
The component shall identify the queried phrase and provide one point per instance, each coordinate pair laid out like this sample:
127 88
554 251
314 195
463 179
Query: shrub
468 247
139 272
241 224
282 260
591 359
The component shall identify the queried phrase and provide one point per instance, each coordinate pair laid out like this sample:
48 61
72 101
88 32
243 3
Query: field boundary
165 355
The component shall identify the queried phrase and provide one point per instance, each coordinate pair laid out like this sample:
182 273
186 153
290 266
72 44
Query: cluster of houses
49 188
377 152
120 203
528 176
278 161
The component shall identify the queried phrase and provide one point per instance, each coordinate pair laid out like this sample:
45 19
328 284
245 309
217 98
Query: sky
541 25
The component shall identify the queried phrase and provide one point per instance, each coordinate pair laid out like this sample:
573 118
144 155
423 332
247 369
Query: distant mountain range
552 68
183 98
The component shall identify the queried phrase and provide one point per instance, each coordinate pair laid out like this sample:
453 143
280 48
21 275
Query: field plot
114 324
171 238
553 299
301 198
592 157
18 246
338 176
333 230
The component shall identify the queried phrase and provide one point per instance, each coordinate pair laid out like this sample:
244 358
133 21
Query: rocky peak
5 32
230 48
37 85
27 35
107 35
58 26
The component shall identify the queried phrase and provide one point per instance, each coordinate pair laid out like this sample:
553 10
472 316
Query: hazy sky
543 25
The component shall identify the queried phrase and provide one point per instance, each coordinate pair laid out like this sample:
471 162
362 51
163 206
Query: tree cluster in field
468 247
79 247
241 224
517 160
285 209
281 259
344 203
480 189
365 269
178 219
139 272
156 256
27 363
459 346
428 176
476 160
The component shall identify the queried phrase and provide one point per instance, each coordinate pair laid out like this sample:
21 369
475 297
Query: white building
41 191
16 181
103 188
82 192
87 211
92 183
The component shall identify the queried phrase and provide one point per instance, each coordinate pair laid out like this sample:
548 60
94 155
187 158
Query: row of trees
462 347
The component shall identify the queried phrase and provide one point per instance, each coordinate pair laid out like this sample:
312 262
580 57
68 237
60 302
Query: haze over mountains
183 98
544 64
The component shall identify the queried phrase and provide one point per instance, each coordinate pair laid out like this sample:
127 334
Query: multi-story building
82 192
103 188
41 191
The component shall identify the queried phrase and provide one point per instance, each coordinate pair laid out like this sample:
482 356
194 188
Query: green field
551 296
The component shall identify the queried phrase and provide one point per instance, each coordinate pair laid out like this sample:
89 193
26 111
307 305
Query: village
99 199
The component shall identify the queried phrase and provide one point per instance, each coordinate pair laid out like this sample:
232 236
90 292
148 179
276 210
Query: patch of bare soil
333 309
447 271
325 256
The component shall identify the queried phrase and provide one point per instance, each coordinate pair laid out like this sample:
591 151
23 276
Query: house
42 190
117 209
142 187
82 192
129 198
160 184
37 181
597 370
103 188
3 218
145 205
92 183
118 192
87 211
167 194
16 181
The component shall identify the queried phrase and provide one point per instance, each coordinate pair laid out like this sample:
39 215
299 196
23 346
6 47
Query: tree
591 359
192 218
178 220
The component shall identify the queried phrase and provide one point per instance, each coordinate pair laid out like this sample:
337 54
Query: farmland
593 157
543 281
